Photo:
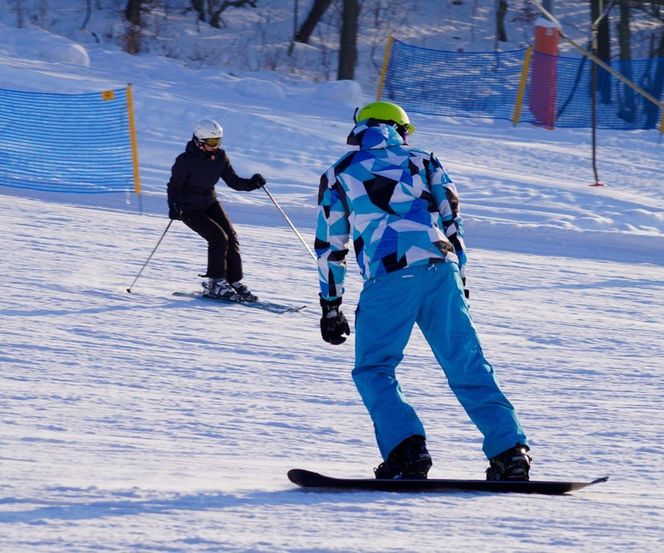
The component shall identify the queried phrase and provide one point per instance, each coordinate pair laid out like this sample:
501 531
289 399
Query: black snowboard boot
512 464
410 459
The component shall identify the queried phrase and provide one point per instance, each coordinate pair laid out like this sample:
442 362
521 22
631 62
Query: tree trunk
624 32
627 109
199 6
500 20
88 14
133 12
652 113
603 51
132 36
348 41
215 10
317 11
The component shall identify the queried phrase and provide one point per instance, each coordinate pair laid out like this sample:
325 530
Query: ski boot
410 459
244 292
512 464
220 289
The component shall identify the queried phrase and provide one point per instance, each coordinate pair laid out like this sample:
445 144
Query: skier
192 198
403 211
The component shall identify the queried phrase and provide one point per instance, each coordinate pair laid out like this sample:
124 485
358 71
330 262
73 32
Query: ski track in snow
168 424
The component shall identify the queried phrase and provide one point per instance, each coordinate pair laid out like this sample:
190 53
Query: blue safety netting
486 84
65 142
458 84
617 106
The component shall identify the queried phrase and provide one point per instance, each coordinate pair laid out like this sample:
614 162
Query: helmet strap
402 130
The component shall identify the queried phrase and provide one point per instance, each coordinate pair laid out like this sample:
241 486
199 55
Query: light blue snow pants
432 297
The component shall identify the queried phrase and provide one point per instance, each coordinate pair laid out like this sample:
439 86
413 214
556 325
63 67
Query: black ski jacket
194 175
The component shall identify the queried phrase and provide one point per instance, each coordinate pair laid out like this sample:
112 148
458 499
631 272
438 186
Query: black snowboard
308 479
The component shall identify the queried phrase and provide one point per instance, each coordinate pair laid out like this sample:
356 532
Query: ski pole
150 256
291 224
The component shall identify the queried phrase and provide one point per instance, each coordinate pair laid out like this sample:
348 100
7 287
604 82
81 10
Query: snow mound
74 54
32 42
259 88
349 92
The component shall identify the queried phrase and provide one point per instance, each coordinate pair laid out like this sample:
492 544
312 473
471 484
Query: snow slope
145 422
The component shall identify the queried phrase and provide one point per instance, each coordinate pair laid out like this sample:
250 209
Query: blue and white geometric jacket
399 203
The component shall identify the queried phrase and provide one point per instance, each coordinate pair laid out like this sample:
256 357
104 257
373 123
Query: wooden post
522 86
132 137
383 71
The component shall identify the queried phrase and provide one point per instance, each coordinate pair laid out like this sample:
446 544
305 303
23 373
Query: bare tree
657 54
133 12
348 40
501 12
603 50
655 9
88 14
624 31
210 10
132 37
315 14
627 110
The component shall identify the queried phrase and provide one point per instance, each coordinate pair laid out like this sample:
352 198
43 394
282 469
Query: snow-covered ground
145 422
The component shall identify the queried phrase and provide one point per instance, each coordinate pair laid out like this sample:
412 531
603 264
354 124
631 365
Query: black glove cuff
329 305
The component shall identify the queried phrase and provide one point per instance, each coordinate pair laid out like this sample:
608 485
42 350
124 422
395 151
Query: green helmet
387 112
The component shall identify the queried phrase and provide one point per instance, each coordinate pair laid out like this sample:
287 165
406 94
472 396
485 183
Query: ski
309 479
264 305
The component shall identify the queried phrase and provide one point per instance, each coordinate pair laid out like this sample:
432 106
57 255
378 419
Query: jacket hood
374 136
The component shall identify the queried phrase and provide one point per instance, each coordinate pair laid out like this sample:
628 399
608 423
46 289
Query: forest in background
330 39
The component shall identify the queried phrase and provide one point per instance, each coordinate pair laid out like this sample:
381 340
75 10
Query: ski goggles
212 142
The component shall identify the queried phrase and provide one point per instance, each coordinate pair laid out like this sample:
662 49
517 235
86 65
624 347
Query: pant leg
384 320
215 227
446 324
232 251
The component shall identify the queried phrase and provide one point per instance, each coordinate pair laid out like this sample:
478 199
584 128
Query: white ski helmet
208 128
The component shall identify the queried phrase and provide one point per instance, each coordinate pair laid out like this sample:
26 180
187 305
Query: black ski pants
214 225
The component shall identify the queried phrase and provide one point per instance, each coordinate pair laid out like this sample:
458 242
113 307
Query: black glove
174 210
333 323
256 181
466 292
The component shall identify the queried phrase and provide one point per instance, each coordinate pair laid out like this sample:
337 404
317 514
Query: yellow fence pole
522 86
383 71
132 137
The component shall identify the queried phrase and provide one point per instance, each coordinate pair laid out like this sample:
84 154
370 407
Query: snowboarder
192 198
403 212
